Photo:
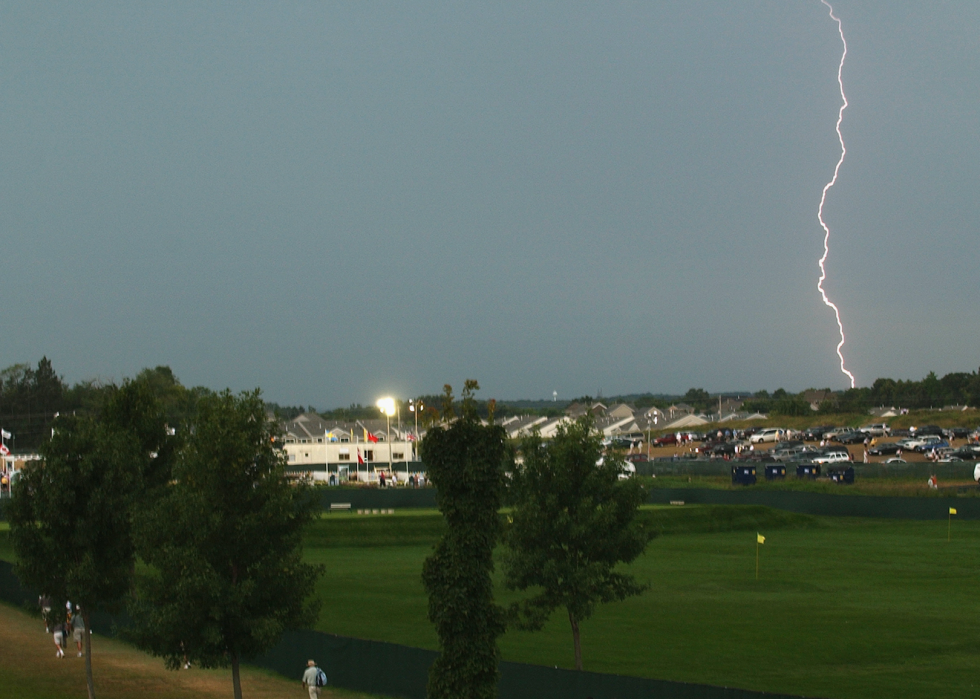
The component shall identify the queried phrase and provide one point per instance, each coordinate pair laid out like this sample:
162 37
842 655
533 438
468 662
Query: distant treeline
30 397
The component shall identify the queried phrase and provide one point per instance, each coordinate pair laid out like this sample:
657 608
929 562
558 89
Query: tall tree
223 544
465 463
72 512
573 524
29 399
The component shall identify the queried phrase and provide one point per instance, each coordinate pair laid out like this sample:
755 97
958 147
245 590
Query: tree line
31 398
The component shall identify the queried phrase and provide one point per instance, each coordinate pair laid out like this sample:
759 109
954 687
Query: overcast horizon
338 201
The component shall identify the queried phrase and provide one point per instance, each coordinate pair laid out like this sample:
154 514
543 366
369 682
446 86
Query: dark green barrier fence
400 671
720 467
823 504
378 498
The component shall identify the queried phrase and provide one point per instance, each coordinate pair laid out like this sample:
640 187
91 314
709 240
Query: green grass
843 608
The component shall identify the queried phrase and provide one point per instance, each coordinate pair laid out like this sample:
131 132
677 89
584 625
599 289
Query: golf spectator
58 633
309 679
78 628
45 603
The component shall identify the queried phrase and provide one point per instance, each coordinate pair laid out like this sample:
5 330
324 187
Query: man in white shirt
309 679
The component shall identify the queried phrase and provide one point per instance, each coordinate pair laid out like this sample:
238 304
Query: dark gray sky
334 201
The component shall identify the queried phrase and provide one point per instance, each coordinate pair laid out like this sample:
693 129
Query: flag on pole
5 434
4 450
760 539
952 510
371 437
360 459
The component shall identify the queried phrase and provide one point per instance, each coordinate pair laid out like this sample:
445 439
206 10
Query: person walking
313 679
78 628
44 602
58 634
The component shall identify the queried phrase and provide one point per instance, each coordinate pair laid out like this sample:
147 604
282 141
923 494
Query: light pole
387 406
416 407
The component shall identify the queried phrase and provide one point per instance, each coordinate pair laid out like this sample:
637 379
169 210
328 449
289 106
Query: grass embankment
843 608
29 670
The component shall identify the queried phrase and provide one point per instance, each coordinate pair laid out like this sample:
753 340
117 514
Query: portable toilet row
745 475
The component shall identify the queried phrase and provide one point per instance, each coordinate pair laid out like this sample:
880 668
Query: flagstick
757 558
949 526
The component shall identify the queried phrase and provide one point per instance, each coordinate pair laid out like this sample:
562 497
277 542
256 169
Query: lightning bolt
823 198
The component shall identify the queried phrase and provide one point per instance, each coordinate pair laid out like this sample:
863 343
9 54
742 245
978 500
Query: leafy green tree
29 399
448 411
72 512
223 544
573 524
465 463
792 405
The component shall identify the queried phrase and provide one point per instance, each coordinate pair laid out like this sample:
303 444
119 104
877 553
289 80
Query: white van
832 456
770 434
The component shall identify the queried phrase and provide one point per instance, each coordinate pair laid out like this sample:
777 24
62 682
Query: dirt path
30 670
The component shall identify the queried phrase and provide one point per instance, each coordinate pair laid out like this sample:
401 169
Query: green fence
720 467
824 504
400 671
378 498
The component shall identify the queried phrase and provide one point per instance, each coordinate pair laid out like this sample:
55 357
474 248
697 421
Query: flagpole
757 558
949 526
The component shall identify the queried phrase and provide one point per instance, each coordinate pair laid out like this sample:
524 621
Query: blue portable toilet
775 472
842 475
807 470
743 475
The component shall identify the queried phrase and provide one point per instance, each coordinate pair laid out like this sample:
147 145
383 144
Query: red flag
4 450
360 459
371 437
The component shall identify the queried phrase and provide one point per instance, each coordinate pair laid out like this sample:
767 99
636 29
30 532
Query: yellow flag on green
761 539
952 510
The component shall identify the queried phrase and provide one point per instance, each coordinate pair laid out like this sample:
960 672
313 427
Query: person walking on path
58 633
78 628
313 679
45 603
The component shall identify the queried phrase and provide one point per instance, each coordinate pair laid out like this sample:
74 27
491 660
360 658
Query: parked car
637 458
928 430
852 437
723 449
668 439
967 452
791 454
830 434
957 432
831 456
884 449
895 460
769 434
930 442
878 429
815 434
